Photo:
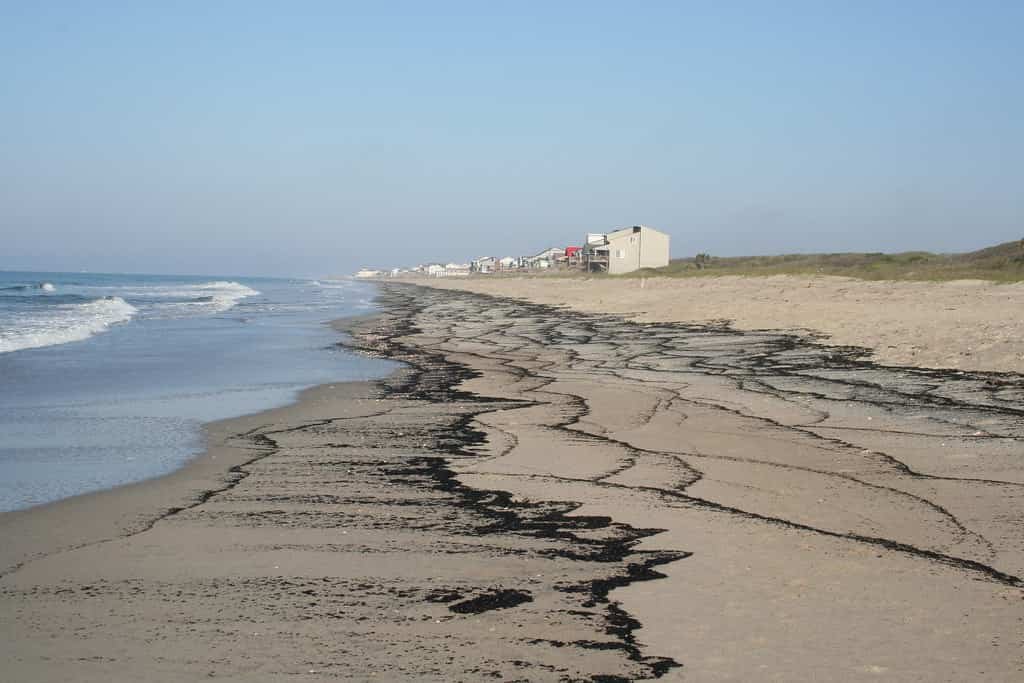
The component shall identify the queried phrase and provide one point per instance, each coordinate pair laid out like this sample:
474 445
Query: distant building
366 273
508 263
545 259
484 264
626 250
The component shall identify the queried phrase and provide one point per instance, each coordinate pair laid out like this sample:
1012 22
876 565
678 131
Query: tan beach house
625 250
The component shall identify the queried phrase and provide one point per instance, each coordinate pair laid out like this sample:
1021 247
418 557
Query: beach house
368 273
484 264
625 250
545 259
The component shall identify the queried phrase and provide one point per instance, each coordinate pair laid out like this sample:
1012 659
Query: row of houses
552 257
616 252
427 270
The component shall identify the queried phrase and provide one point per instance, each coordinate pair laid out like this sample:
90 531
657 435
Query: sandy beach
561 494
966 324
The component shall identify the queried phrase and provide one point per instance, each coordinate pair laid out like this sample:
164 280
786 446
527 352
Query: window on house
619 254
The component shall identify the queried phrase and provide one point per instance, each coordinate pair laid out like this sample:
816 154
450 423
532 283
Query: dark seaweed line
582 412
697 475
842 357
433 378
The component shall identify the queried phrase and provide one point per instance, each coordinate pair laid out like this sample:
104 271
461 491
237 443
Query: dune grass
1001 263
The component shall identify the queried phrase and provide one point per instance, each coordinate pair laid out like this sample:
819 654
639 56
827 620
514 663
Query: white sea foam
64 323
47 287
189 300
332 284
221 296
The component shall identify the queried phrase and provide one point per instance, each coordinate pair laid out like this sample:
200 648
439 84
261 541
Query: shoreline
554 495
141 503
130 402
195 477
103 530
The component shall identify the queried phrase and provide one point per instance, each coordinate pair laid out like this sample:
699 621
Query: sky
314 138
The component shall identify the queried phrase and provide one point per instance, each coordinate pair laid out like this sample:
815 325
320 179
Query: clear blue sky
313 138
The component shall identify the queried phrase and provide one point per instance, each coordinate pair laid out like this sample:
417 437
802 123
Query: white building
365 273
484 264
546 258
626 250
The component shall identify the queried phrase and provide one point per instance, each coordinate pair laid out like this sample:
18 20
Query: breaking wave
181 300
64 323
208 297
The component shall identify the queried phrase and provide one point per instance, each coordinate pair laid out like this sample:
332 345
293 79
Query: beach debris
491 600
442 595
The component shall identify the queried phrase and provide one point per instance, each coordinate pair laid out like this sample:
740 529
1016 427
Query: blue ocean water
107 379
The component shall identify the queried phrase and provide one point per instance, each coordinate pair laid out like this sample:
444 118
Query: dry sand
967 324
549 495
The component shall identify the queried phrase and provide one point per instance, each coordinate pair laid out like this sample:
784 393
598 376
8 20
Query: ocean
107 379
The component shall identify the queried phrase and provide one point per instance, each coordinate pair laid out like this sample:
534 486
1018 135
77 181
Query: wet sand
551 495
